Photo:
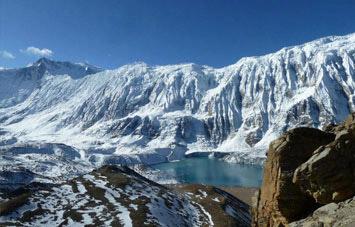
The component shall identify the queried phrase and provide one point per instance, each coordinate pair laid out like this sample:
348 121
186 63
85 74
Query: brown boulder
329 175
280 201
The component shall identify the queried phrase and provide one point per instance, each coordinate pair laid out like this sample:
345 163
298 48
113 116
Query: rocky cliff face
305 169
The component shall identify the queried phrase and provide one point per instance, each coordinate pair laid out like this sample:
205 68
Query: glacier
148 114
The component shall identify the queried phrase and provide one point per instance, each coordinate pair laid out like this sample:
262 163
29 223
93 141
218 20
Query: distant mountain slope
17 84
118 196
153 113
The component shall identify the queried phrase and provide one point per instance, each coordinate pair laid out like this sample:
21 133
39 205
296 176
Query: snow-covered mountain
17 84
156 113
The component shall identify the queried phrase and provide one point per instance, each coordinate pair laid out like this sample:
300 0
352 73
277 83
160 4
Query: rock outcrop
280 200
305 169
331 215
329 175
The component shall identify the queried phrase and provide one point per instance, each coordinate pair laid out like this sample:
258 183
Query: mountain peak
74 70
42 61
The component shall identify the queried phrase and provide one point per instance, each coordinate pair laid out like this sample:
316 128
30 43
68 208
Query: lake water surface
203 170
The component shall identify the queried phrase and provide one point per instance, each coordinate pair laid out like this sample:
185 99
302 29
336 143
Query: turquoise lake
202 170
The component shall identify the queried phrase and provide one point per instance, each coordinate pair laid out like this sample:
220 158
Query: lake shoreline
243 193
210 171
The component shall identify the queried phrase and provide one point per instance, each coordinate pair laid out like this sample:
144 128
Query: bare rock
280 201
329 175
332 215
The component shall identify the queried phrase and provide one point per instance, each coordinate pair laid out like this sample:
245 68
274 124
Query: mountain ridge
142 113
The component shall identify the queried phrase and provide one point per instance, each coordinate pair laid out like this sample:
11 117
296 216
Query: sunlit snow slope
156 113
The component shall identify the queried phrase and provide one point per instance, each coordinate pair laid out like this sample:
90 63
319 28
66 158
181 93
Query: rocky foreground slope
309 178
118 196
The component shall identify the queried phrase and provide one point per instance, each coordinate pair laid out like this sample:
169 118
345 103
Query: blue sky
111 33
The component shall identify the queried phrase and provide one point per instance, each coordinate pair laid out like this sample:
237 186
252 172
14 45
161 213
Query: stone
329 175
280 201
309 179
333 214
